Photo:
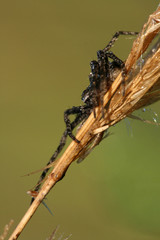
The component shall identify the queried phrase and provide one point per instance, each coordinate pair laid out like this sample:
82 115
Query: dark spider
103 73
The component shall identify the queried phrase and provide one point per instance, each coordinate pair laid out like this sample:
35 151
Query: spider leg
104 72
61 145
94 85
112 56
115 37
80 110
117 60
73 110
52 159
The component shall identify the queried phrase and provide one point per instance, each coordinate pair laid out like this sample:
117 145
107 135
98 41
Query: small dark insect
103 73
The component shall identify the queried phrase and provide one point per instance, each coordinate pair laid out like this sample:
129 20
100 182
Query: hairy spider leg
79 118
110 44
82 111
115 37
94 79
104 73
107 73
52 159
117 60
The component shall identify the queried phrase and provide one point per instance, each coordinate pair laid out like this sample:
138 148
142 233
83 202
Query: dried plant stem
120 106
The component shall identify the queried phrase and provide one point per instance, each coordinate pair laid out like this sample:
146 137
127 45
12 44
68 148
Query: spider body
103 73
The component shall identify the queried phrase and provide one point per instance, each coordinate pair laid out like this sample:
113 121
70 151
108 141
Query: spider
103 73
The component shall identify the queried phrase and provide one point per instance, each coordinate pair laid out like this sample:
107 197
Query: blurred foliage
46 47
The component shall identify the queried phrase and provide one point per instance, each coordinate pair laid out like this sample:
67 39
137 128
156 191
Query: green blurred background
45 50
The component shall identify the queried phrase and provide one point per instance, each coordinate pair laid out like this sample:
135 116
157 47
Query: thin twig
136 89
